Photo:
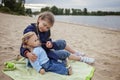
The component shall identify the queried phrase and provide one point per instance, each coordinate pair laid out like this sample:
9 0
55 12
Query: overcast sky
91 5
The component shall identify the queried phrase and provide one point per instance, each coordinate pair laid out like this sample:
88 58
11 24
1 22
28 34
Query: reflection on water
109 22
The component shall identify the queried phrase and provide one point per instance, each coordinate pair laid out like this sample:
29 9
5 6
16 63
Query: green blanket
81 71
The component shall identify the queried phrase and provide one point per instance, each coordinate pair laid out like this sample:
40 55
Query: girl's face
43 25
33 41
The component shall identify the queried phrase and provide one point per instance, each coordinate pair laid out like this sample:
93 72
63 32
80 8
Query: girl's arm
23 50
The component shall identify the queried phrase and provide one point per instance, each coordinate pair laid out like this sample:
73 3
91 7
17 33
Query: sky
91 5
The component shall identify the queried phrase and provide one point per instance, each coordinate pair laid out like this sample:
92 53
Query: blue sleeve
28 29
49 39
22 51
36 65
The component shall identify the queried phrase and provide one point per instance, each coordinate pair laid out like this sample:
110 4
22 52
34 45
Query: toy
9 66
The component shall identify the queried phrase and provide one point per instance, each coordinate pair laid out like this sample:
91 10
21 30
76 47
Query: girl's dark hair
46 16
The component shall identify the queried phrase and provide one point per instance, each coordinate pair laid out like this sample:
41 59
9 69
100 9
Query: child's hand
42 71
31 56
49 44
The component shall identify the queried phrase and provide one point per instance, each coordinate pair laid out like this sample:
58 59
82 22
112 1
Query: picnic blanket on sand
81 71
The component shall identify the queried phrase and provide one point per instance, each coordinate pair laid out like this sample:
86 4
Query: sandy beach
101 44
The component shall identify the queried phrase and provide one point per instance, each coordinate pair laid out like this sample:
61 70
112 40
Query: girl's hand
42 71
49 44
31 56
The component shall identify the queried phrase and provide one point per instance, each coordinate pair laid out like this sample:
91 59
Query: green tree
36 13
79 12
73 12
45 9
60 11
100 13
54 10
67 11
16 7
85 11
29 12
93 13
10 4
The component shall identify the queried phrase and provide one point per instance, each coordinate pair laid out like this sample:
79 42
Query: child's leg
82 59
69 70
62 54
57 67
68 66
61 45
68 48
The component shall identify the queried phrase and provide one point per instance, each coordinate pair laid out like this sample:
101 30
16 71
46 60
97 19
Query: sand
101 44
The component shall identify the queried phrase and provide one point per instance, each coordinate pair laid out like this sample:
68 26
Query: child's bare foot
70 70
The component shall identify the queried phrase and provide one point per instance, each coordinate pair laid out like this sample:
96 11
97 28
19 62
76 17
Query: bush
5 10
1 5
13 7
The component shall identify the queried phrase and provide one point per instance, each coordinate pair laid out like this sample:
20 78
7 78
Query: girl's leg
63 55
68 48
74 57
82 59
61 44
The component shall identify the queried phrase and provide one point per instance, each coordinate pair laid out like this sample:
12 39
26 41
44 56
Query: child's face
34 41
44 25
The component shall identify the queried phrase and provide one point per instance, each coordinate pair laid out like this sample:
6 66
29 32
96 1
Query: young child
59 48
42 64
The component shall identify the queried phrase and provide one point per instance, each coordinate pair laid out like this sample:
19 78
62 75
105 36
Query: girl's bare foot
69 70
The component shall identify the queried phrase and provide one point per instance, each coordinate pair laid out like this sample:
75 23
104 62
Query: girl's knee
59 44
63 54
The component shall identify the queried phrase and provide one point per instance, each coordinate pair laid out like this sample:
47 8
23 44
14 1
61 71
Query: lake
109 22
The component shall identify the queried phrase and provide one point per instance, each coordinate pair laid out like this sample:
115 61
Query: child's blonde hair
26 37
46 16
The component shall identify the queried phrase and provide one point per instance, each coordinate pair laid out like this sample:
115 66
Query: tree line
72 11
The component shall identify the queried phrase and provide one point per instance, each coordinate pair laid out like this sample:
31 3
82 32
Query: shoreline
101 44
84 25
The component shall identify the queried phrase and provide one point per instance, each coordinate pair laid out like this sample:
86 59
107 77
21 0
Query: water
109 22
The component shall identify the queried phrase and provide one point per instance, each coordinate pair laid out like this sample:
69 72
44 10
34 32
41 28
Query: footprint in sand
106 63
9 48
